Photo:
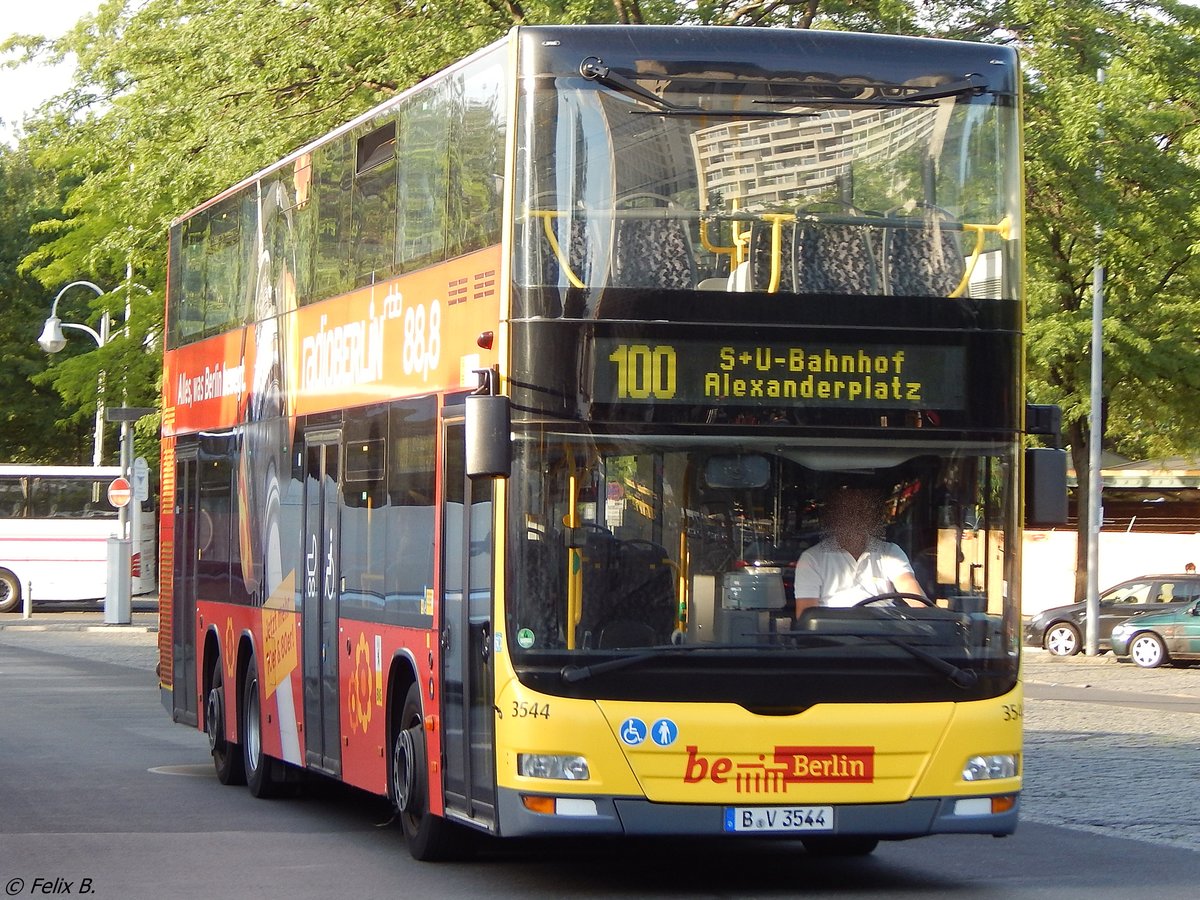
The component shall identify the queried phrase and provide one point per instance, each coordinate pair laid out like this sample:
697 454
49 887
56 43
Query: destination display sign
861 375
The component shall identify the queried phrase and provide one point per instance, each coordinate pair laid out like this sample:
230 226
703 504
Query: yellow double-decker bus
500 426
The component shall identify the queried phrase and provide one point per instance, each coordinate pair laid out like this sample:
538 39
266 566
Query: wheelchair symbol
633 731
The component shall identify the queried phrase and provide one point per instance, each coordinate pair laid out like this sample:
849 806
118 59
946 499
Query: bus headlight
988 766
546 765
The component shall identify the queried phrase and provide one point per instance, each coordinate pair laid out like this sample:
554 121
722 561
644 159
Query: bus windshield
682 553
731 179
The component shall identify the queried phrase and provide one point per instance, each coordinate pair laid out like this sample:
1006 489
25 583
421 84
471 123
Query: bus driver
853 562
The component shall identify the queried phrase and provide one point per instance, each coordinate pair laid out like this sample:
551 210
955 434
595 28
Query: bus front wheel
429 837
10 591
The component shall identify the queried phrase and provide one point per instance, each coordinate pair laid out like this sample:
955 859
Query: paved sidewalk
1106 673
82 617
1110 748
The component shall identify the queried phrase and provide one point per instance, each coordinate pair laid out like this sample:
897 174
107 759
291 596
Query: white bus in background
55 522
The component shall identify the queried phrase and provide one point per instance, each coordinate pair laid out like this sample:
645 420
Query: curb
77 627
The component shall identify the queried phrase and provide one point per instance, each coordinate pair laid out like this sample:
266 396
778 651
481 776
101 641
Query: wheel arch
402 674
211 653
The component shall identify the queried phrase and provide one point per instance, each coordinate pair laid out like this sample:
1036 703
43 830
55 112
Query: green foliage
35 425
1118 156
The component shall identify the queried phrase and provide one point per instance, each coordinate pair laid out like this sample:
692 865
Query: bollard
117 601
27 602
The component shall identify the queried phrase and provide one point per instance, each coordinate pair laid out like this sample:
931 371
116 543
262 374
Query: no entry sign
119 492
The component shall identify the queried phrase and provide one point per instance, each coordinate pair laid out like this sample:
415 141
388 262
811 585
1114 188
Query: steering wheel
895 597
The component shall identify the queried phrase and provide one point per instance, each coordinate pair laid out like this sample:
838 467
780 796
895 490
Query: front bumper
1033 635
638 816
1120 644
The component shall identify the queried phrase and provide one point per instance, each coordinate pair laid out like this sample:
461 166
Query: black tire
266 777
227 756
10 591
1148 650
839 845
1062 639
429 837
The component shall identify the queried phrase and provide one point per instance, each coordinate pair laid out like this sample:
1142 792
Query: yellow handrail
714 248
548 216
574 558
776 220
1002 228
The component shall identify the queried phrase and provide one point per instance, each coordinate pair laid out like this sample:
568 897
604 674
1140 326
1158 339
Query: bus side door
466 630
322 578
185 689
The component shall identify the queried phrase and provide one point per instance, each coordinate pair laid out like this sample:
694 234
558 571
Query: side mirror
488 436
1045 487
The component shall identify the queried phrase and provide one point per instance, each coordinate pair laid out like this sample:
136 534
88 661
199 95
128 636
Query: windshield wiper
959 677
572 673
972 84
593 69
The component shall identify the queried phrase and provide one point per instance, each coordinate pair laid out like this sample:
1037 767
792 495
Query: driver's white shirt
836 578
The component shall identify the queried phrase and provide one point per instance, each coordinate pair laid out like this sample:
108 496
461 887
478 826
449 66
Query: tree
1113 176
34 424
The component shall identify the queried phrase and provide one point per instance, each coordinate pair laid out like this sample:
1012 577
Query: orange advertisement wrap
414 334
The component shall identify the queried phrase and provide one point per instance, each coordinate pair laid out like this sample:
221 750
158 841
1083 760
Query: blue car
1153 639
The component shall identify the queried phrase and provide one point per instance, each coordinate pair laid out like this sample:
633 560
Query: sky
24 89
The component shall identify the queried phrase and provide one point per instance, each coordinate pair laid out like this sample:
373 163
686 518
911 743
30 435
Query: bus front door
184 689
466 632
322 469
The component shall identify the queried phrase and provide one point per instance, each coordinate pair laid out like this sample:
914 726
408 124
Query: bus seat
836 258
653 253
739 279
924 259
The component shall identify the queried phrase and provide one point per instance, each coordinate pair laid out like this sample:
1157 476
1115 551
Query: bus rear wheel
429 837
266 777
227 756
10 591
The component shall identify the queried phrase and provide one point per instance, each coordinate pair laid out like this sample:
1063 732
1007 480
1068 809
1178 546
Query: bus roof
561 44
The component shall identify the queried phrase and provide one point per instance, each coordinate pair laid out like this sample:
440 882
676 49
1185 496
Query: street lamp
53 340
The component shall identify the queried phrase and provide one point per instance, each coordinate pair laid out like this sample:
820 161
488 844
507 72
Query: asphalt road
98 790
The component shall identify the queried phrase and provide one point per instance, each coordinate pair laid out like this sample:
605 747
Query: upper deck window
695 182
